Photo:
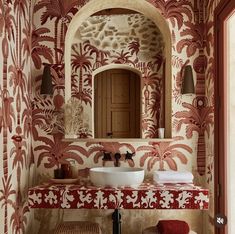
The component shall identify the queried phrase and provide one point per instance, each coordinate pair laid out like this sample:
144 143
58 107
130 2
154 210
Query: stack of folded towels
172 177
172 227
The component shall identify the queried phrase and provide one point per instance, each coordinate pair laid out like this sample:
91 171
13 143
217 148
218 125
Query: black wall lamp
188 83
46 86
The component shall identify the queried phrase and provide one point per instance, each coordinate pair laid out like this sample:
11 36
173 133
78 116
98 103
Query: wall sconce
46 86
188 84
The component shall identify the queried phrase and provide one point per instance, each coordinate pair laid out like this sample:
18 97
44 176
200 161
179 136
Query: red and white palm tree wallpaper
27 116
15 114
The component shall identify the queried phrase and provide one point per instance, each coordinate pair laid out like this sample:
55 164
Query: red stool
153 230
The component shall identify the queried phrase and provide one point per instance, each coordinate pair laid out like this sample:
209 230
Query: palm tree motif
123 58
196 40
19 155
151 81
57 73
27 40
39 50
57 151
146 126
17 77
5 195
210 81
6 116
6 110
158 61
26 117
155 103
46 114
210 170
100 55
198 119
114 147
18 219
174 10
134 47
21 6
39 120
2 18
154 108
19 152
209 5
208 26
81 61
163 153
151 131
62 12
7 21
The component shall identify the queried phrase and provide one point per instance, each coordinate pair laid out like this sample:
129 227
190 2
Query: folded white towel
174 182
172 177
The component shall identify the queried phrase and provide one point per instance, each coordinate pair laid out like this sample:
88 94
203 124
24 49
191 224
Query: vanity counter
145 196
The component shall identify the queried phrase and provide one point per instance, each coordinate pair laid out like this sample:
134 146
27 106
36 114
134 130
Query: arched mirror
117 61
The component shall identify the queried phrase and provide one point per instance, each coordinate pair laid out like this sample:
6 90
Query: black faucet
129 156
107 156
117 157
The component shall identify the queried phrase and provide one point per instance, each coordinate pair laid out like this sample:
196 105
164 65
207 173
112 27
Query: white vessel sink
116 176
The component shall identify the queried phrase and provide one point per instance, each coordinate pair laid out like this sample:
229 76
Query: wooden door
117 104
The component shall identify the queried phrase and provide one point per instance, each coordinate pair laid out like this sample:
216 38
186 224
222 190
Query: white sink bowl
116 176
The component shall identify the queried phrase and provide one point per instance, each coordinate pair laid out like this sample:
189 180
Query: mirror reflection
117 104
117 65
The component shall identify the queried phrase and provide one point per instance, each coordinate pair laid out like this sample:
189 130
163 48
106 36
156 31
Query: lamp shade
188 84
46 86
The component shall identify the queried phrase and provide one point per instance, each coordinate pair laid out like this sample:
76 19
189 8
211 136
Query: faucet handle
117 156
107 156
129 156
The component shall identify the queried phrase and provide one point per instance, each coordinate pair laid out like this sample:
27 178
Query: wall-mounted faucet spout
117 157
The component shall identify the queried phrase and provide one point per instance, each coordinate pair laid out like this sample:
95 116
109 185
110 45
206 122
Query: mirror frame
149 11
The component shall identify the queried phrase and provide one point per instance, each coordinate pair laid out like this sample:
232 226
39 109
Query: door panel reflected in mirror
117 104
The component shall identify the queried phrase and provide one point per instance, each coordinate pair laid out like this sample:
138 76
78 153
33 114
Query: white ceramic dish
116 176
64 181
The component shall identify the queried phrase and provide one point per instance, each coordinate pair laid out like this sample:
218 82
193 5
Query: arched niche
140 6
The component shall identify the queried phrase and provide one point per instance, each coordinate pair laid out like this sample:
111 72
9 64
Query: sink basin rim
116 176
116 169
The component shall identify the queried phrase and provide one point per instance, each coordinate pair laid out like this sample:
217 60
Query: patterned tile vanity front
145 196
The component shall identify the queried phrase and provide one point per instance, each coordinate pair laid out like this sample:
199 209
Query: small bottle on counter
58 173
74 169
66 168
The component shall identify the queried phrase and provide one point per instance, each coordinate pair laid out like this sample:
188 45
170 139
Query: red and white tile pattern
146 196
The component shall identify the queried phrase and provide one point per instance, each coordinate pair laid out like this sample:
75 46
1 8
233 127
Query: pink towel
173 227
